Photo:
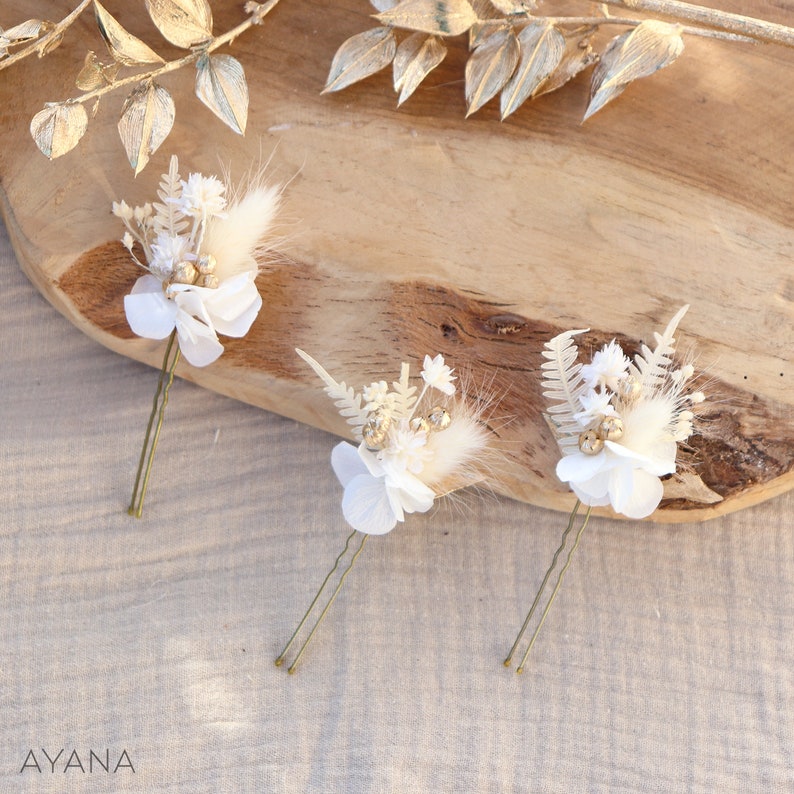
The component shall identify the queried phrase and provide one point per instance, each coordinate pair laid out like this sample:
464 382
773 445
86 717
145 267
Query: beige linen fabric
664 666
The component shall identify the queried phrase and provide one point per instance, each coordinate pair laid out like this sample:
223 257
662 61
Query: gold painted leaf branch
416 57
542 48
439 17
184 23
360 56
124 47
146 119
221 86
651 46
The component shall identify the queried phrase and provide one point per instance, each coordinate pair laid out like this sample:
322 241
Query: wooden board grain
414 230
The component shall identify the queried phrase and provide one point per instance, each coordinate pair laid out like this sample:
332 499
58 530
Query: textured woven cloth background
665 665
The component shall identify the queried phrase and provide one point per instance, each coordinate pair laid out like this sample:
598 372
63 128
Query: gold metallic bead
610 428
590 443
420 424
208 280
184 273
438 418
375 430
628 389
206 264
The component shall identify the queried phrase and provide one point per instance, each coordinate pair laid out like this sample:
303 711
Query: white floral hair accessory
618 425
412 450
200 246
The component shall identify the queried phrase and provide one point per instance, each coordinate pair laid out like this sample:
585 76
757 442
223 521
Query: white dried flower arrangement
201 253
411 451
618 425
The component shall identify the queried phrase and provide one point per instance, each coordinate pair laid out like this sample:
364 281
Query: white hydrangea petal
660 464
580 467
366 506
235 305
586 495
635 492
416 499
197 341
149 312
346 463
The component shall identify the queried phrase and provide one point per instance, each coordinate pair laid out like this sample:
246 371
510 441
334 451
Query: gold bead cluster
610 428
202 274
376 429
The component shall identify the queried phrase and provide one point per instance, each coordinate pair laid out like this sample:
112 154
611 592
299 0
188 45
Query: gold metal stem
167 372
291 668
543 584
520 668
316 598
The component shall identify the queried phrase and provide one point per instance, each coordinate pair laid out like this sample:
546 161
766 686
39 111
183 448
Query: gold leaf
30 29
489 68
58 128
359 57
416 57
439 17
482 31
383 5
578 56
542 47
95 74
182 22
650 46
514 6
124 47
146 119
221 86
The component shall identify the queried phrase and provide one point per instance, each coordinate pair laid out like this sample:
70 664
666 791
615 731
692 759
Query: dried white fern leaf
344 397
651 367
563 385
168 217
404 394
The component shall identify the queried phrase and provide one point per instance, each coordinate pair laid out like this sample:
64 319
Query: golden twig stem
316 598
167 372
631 22
255 18
39 45
757 29
520 668
291 668
543 584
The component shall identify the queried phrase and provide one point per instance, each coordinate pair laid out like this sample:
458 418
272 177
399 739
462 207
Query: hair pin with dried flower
413 449
618 425
199 246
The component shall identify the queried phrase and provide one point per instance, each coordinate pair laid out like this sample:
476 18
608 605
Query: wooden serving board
413 230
